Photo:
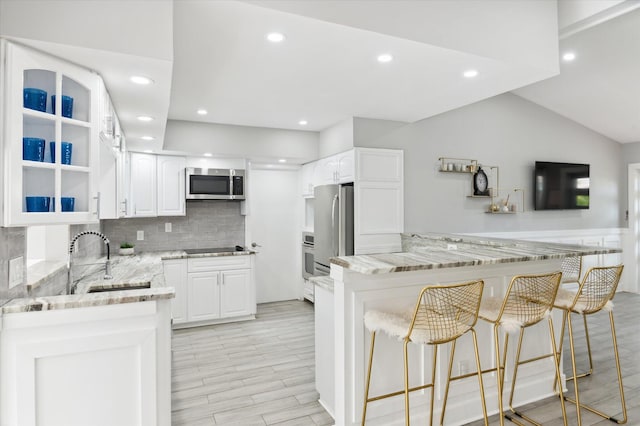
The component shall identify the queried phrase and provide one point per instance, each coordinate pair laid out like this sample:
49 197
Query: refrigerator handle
333 224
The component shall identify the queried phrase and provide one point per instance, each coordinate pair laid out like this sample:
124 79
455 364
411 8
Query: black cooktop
214 250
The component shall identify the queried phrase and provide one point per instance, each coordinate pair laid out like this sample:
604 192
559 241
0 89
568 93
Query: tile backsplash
12 245
206 224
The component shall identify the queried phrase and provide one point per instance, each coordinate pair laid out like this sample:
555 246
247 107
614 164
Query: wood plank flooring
262 372
600 389
259 372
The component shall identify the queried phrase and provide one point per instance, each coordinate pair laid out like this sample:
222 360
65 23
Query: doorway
274 224
631 249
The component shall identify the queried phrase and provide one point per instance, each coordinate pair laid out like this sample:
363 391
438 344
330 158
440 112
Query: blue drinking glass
37 204
67 105
33 149
66 149
34 99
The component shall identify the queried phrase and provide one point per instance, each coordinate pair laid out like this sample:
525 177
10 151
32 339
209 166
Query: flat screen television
561 186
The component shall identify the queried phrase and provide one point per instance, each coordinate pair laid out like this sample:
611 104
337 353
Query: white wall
335 139
512 133
254 143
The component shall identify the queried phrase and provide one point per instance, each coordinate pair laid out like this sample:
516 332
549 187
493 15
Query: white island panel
393 282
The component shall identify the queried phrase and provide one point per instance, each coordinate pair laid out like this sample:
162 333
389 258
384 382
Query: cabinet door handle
97 198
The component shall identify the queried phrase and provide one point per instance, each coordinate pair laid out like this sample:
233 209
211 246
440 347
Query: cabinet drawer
198 264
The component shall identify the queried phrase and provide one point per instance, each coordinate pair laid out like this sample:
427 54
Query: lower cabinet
175 275
211 289
99 365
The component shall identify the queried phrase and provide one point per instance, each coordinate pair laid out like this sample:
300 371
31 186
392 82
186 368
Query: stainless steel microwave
215 184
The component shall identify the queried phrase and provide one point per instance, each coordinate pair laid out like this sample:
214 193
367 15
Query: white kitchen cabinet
156 185
175 275
25 68
378 200
345 167
235 287
203 296
108 182
211 290
324 347
142 185
306 179
338 168
171 185
58 367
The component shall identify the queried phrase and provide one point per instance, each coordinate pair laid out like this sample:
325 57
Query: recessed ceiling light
282 160
275 37
147 138
303 122
568 57
202 112
140 79
208 154
148 151
470 73
145 118
384 58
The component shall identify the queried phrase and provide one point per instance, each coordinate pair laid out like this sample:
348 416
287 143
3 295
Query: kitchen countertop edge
142 268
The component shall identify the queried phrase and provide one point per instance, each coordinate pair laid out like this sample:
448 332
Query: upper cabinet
306 179
171 185
142 187
50 139
378 200
338 168
157 186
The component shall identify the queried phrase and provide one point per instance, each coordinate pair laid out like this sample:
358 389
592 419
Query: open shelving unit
470 166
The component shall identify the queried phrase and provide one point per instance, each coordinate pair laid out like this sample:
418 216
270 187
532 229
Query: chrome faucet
107 265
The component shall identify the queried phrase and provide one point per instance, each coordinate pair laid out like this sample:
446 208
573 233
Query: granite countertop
323 281
434 251
142 270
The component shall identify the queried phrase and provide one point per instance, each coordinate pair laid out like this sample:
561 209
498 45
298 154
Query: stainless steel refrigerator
332 224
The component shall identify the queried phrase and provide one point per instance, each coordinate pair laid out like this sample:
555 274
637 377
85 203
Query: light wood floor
600 389
262 372
259 372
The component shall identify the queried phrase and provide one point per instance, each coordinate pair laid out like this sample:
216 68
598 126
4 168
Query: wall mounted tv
561 186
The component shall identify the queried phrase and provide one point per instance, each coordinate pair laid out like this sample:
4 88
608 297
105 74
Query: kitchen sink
119 288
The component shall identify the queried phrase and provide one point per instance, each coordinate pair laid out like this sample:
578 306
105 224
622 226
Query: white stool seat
397 325
566 298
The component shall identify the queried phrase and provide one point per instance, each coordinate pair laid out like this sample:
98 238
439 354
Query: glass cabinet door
51 115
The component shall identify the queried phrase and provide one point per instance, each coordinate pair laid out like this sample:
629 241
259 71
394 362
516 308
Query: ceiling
326 68
600 88
213 55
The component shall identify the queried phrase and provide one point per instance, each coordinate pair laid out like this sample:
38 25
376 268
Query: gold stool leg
573 370
586 334
557 381
366 387
556 362
580 405
446 389
480 383
499 374
620 387
433 381
406 382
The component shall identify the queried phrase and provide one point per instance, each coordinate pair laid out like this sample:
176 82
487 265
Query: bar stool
595 294
442 314
571 269
528 301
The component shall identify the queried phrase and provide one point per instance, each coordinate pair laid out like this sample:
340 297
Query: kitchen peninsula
392 281
100 356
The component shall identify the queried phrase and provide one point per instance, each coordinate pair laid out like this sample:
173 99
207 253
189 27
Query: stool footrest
594 411
401 392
